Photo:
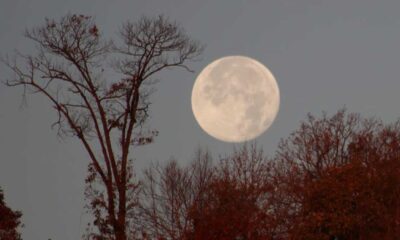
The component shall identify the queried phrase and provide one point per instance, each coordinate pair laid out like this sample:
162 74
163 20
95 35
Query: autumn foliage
9 221
236 197
336 177
340 176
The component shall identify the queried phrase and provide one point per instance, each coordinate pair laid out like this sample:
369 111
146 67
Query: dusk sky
324 54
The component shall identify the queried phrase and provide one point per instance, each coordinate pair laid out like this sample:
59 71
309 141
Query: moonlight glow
235 99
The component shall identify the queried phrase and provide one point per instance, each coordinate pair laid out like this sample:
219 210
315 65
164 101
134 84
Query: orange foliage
334 178
347 179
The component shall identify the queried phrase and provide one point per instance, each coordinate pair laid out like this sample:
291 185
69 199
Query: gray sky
325 54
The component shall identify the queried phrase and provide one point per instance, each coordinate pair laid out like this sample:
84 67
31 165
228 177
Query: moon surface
235 99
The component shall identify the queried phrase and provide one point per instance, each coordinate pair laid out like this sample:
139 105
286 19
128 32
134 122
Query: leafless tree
71 70
169 192
226 200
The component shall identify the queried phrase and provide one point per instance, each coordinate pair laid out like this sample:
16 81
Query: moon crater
235 99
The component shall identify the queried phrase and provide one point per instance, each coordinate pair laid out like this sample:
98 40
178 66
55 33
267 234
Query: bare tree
169 192
229 200
70 70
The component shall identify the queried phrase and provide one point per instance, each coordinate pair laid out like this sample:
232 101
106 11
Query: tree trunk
120 233
120 227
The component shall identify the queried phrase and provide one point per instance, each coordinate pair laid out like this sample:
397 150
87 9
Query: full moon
235 99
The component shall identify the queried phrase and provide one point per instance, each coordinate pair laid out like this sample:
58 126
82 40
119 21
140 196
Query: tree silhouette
9 221
71 70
